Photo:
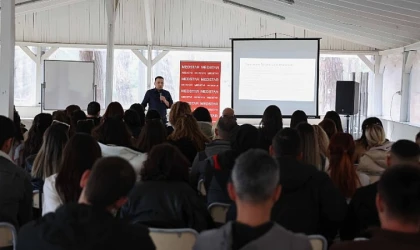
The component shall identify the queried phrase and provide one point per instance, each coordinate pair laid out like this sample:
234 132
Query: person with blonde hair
323 142
309 144
373 162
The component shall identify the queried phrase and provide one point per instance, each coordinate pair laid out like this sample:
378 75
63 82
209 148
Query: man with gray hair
255 189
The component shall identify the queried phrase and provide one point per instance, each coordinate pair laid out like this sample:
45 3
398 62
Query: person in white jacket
373 162
79 155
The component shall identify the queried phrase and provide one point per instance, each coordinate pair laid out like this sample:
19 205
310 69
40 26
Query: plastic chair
201 188
318 242
173 239
8 235
218 212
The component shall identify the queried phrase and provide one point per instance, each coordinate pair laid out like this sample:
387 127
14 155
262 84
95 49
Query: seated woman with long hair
79 155
341 166
164 199
310 146
362 144
335 117
323 142
187 135
271 123
373 162
152 134
48 160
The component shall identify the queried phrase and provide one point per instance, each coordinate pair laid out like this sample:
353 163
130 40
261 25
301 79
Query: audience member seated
418 138
48 160
271 123
154 114
85 126
152 134
218 168
114 110
164 199
91 224
203 117
373 162
310 146
362 214
15 185
80 154
115 140
362 144
323 142
132 120
341 167
187 135
17 140
329 127
298 117
335 117
228 112
61 116
254 188
398 205
140 111
71 108
94 112
35 136
224 130
75 118
310 203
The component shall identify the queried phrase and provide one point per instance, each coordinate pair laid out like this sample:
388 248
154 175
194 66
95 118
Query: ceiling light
255 9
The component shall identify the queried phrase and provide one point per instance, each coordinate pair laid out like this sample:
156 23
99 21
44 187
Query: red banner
200 85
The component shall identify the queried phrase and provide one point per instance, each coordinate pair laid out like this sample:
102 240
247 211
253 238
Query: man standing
158 99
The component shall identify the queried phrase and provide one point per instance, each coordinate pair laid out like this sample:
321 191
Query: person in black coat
91 224
309 203
164 198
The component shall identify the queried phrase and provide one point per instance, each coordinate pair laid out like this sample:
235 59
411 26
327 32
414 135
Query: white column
149 66
408 60
39 74
377 91
110 9
7 63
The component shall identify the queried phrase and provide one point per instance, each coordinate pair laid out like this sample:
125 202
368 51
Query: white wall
397 131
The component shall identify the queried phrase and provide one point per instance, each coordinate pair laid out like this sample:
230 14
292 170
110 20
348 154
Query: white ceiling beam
29 53
368 63
159 57
391 51
43 6
409 62
140 56
148 21
49 53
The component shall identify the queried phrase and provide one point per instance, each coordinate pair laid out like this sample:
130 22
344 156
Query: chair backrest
201 188
218 212
37 199
318 242
8 235
173 239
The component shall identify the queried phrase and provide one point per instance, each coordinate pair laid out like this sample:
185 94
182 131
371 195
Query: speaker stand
348 123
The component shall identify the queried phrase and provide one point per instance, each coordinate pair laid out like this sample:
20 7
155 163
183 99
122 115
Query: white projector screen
282 72
68 82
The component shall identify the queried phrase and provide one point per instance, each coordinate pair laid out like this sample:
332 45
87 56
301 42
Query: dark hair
286 143
132 120
111 179
245 138
298 117
93 108
406 150
335 117
61 116
7 130
272 122
18 131
329 127
342 171
36 133
79 155
202 114
418 136
71 108
367 123
153 133
85 126
399 188
226 125
159 77
153 114
77 116
113 131
114 110
165 163
140 111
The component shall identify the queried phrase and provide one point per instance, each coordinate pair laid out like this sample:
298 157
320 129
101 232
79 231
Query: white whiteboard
68 82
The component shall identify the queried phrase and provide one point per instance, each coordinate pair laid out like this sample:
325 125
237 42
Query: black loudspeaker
347 98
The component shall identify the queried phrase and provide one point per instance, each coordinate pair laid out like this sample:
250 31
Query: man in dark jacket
310 203
15 184
362 213
398 205
225 126
91 224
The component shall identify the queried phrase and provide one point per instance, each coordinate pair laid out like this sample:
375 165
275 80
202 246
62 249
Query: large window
391 100
25 79
415 91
